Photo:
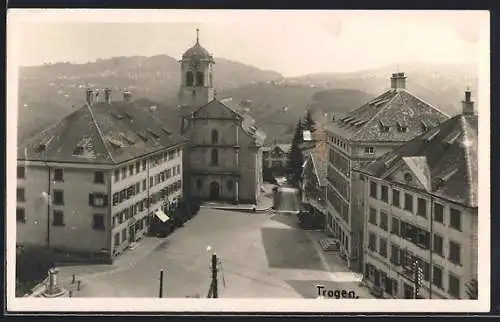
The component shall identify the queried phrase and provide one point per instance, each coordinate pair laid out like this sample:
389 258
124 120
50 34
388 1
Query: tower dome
197 51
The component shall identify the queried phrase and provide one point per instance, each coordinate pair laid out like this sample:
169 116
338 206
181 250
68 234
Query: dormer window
384 127
402 127
369 150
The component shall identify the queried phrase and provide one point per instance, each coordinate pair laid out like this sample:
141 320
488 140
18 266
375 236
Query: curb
237 209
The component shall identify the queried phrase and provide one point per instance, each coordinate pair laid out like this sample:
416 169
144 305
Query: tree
295 157
309 124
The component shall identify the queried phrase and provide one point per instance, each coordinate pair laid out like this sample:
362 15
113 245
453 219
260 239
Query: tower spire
197 35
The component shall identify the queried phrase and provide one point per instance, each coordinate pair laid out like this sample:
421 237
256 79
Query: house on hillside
359 137
420 210
274 160
92 182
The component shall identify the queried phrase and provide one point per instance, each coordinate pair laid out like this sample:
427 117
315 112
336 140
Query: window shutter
105 200
91 199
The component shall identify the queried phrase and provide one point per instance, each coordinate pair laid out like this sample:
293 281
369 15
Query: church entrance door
214 190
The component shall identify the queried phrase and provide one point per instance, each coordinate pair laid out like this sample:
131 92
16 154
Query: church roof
394 116
100 133
247 121
197 51
444 160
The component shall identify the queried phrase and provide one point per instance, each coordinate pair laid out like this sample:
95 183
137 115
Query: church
223 159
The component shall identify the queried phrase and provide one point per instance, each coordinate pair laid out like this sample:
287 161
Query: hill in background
52 91
49 92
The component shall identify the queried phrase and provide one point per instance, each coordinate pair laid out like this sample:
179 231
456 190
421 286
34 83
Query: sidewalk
264 203
123 262
339 272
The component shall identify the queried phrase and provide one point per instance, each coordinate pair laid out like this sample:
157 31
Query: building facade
275 156
224 155
421 214
359 137
91 182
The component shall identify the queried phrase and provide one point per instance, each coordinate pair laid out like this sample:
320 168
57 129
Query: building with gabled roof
223 160
275 155
421 212
359 137
92 182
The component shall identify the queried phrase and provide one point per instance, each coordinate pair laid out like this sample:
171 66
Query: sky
290 42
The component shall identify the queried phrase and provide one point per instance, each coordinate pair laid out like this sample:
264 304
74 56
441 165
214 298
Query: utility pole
161 284
215 293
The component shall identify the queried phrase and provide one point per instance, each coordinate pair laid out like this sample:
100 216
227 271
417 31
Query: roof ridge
99 131
427 103
375 115
468 163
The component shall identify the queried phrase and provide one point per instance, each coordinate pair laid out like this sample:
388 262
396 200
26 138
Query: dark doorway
214 190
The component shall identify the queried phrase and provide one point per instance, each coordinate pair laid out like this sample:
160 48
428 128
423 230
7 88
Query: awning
162 216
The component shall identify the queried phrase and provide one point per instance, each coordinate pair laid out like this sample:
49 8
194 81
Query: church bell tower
196 81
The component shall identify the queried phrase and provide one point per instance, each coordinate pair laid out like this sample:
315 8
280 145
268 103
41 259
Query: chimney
468 104
107 95
89 99
398 81
126 96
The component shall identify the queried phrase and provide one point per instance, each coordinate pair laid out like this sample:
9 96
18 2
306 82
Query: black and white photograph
248 160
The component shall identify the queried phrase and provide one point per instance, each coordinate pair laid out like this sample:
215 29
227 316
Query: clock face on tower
195 64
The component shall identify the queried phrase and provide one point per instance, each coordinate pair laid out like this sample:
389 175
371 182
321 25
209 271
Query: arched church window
214 157
215 136
189 79
210 80
199 79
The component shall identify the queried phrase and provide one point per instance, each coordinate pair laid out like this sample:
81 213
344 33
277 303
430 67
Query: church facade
223 159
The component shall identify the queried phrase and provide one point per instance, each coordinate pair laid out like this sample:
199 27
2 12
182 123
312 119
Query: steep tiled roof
395 116
446 157
101 133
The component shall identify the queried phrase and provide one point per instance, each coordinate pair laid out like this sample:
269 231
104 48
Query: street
262 256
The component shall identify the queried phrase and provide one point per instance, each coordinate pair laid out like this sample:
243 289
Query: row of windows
339 233
408 205
135 189
96 199
59 175
140 166
338 142
98 222
143 204
417 236
338 181
139 225
340 206
405 259
339 161
380 279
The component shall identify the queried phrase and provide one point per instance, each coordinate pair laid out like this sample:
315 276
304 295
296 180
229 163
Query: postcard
248 161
